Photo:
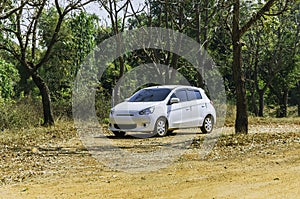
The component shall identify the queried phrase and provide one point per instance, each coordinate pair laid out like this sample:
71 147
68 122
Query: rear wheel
208 124
161 127
119 133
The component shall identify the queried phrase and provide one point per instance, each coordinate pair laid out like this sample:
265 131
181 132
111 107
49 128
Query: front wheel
161 127
208 124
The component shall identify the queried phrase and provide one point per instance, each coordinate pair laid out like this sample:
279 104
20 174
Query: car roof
172 87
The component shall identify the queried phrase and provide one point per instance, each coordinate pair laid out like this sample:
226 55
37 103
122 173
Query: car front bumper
132 123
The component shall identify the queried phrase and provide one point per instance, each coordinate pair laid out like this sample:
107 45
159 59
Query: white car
162 109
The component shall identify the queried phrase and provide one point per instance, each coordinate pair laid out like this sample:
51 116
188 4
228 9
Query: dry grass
268 119
35 135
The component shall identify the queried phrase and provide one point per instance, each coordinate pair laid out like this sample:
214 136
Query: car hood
134 106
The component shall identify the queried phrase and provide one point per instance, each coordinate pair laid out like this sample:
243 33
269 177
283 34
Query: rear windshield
150 95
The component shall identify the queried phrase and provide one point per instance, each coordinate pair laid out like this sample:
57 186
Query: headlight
147 111
112 111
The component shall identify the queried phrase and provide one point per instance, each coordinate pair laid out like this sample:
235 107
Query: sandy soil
263 164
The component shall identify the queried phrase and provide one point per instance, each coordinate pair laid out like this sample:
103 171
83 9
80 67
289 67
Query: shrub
21 114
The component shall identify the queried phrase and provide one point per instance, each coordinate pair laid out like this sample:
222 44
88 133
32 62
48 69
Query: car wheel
119 133
161 127
208 124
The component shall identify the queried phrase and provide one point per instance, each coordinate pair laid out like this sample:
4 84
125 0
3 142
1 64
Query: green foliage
8 79
76 39
270 58
84 31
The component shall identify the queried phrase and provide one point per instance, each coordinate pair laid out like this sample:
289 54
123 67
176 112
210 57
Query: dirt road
263 164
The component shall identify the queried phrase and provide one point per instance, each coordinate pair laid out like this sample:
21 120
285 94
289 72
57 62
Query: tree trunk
44 90
253 100
198 39
298 107
241 122
298 99
283 101
261 103
206 23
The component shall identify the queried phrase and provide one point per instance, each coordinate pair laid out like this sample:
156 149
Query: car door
179 113
198 107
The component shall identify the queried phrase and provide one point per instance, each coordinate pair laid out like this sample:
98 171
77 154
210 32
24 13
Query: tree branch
58 8
125 15
14 10
285 8
135 12
34 33
68 8
257 16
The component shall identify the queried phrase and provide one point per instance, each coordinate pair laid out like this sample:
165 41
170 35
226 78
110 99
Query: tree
118 12
237 32
77 38
184 17
21 33
270 52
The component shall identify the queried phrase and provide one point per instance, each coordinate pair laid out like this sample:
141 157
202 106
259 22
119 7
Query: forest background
255 45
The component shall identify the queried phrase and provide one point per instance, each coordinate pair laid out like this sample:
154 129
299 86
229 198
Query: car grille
125 126
125 114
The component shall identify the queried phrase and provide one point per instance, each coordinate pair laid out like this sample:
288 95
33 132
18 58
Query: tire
208 124
161 127
119 133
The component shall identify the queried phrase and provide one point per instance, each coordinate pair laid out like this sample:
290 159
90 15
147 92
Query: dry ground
53 163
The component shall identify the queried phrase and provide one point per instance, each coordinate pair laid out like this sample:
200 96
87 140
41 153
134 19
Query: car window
193 95
181 94
150 95
198 94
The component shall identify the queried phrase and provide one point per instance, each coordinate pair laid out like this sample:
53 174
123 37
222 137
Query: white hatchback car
162 109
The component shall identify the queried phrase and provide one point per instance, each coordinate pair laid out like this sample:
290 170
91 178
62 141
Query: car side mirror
174 100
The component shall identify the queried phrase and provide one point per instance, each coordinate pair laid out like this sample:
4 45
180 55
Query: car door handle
188 109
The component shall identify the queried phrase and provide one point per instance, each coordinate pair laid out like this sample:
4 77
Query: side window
191 95
194 95
197 94
173 96
181 94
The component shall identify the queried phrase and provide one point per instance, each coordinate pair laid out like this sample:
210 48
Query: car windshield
150 95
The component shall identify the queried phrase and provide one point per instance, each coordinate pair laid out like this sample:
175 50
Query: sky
95 8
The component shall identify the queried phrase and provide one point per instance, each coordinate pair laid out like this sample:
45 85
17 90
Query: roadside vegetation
42 51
